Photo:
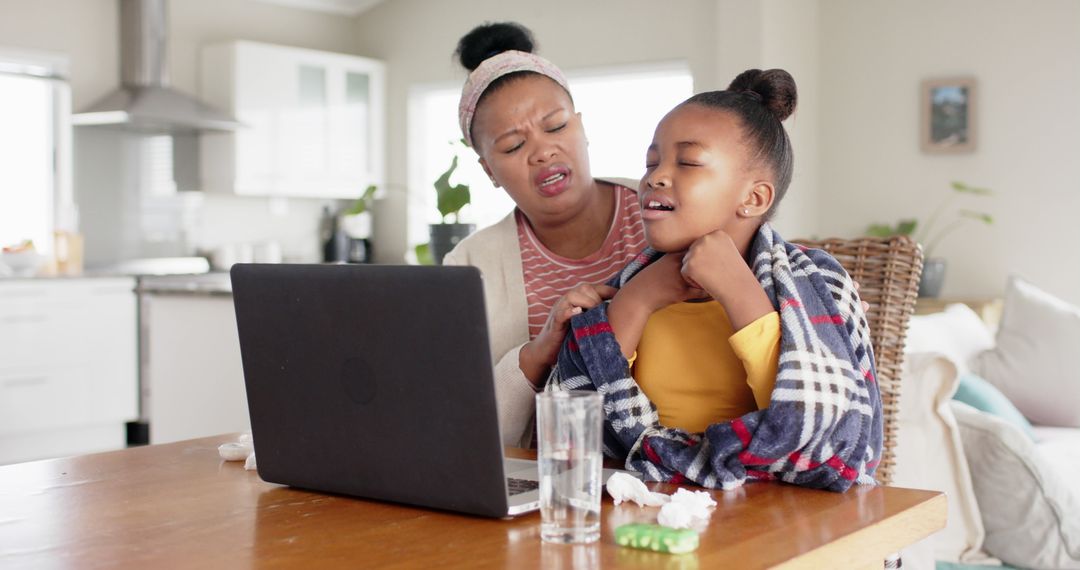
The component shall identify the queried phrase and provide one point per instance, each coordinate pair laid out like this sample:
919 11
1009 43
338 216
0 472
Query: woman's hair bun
774 87
491 39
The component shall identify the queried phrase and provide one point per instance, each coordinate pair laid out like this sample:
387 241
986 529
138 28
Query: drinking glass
569 428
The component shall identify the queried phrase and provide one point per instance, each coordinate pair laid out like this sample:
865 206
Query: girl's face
698 178
532 144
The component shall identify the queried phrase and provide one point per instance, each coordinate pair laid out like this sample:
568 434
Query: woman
568 229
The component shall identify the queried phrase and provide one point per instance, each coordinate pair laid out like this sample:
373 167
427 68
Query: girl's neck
743 237
584 233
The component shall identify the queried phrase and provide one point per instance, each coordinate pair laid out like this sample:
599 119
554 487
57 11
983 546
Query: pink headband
493 68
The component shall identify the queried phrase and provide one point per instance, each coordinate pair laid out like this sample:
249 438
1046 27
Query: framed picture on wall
948 115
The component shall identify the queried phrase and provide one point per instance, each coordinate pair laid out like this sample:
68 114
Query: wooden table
179 506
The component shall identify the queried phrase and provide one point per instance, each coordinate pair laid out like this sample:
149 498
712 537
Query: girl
751 356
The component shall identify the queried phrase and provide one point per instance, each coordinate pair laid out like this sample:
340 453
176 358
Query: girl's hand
653 288
539 355
661 284
714 263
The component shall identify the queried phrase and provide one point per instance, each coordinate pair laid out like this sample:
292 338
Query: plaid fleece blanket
823 426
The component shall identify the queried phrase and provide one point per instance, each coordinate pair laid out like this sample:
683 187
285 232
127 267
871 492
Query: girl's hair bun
491 39
775 88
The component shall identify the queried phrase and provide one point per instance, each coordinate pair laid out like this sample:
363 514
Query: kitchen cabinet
193 378
313 121
68 366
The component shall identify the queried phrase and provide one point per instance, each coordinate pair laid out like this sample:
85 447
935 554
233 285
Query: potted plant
930 234
445 235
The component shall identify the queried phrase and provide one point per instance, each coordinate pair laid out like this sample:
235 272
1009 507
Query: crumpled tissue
684 509
243 449
626 487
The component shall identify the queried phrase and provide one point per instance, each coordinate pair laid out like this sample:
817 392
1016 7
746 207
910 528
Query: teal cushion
942 565
983 396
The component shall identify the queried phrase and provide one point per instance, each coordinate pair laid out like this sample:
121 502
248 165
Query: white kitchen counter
215 283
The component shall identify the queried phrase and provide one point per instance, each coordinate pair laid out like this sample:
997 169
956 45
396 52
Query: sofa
990 415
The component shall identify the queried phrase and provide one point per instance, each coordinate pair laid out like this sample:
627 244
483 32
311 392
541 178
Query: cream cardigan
494 250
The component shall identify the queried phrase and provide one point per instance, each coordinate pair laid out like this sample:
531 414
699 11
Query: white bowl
22 263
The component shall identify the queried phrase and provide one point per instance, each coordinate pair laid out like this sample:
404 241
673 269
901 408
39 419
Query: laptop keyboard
519 486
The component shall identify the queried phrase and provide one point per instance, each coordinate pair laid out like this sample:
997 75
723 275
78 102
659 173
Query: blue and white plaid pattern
823 426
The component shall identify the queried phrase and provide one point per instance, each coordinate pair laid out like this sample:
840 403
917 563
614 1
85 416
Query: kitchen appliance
145 102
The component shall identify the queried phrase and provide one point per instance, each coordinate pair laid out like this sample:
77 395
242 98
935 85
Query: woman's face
531 142
697 177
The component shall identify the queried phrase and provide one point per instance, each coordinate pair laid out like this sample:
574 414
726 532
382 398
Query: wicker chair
887 270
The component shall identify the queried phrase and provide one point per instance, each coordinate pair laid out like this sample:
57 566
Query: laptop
376 381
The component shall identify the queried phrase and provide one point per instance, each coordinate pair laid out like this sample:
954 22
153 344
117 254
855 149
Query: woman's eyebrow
516 130
689 144
512 131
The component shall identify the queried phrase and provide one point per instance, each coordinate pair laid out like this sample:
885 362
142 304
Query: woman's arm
514 395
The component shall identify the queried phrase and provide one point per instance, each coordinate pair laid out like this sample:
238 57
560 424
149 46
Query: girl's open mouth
656 207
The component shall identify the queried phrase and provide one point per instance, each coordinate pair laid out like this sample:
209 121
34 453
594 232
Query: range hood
145 102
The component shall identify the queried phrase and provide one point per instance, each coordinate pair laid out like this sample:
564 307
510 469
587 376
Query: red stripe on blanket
846 472
650 453
873 464
748 458
789 303
641 258
760 475
572 345
591 330
796 457
822 319
869 376
653 457
741 431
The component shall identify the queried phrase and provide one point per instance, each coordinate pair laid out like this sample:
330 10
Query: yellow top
698 371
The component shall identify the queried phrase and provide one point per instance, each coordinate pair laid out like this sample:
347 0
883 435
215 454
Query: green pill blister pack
657 538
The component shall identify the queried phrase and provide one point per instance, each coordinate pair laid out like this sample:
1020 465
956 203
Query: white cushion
1028 509
957 332
1060 447
930 455
1034 362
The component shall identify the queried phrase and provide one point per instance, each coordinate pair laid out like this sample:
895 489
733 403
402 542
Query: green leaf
906 227
965 189
880 230
980 216
451 199
362 203
423 254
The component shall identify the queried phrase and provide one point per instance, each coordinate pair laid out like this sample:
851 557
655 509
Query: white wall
417 38
85 30
1026 57
780 34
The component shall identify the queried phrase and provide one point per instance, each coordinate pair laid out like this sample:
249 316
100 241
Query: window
620 108
33 112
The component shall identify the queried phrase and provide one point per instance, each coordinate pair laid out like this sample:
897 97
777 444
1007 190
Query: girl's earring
746 211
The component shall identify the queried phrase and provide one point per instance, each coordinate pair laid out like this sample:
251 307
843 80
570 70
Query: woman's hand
539 355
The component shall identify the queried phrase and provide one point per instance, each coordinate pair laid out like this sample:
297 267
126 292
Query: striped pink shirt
549 276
